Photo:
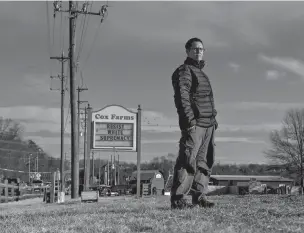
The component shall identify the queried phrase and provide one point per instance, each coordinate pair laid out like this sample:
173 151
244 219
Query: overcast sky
254 54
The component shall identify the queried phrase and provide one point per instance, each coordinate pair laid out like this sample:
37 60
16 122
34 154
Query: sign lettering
114 117
113 134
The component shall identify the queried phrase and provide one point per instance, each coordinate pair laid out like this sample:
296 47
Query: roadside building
236 180
153 177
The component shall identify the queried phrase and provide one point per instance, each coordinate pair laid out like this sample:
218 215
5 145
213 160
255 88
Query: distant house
153 177
234 180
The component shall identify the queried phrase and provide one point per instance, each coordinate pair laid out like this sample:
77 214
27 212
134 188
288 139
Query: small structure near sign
153 179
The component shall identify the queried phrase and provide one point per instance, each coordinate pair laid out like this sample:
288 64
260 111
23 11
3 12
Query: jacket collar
190 61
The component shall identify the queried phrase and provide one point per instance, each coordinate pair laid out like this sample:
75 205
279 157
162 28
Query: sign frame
108 120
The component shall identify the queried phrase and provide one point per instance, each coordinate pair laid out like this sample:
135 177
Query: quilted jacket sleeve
182 83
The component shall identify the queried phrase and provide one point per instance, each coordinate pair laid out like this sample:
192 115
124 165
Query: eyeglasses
198 49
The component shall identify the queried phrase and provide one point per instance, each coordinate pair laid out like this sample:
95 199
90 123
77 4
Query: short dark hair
189 42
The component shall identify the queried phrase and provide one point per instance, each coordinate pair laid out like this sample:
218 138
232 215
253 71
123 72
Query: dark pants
194 163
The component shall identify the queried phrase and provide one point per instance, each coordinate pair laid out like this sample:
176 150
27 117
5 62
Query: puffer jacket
193 95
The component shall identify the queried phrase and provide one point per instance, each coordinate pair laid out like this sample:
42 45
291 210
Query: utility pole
62 59
99 169
84 145
114 170
93 167
73 12
108 173
79 89
138 143
88 147
74 151
301 166
29 168
37 163
118 170
111 172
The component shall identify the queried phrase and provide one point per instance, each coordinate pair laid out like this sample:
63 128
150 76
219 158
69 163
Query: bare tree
288 143
10 129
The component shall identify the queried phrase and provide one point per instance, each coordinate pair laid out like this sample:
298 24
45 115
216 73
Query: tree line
285 154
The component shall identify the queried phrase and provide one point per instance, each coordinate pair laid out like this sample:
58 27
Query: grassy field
233 214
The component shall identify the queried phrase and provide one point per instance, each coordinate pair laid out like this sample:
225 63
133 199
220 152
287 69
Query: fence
15 192
10 191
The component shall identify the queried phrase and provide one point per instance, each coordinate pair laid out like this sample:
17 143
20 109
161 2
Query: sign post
138 150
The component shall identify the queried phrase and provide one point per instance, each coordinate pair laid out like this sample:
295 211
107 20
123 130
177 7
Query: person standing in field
194 101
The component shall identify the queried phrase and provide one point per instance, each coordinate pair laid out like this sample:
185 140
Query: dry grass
233 214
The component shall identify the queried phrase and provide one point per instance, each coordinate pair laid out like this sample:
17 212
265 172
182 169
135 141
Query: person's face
196 52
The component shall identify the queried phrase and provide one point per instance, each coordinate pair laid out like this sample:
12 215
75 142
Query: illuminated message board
114 126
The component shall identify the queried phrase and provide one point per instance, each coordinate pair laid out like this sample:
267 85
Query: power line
92 46
48 33
14 142
84 27
159 125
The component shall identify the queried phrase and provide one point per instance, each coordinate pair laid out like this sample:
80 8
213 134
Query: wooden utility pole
84 145
79 89
108 173
118 170
29 161
93 167
114 166
73 12
114 170
62 59
88 147
74 151
138 145
111 173
99 169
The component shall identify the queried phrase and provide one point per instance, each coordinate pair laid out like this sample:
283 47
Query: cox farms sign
114 127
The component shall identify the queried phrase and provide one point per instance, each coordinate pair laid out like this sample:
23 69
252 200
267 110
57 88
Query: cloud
238 139
217 139
244 105
293 65
35 118
272 75
153 121
156 122
234 66
51 145
262 127
32 113
249 127
43 126
170 29
36 82
49 141
161 128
